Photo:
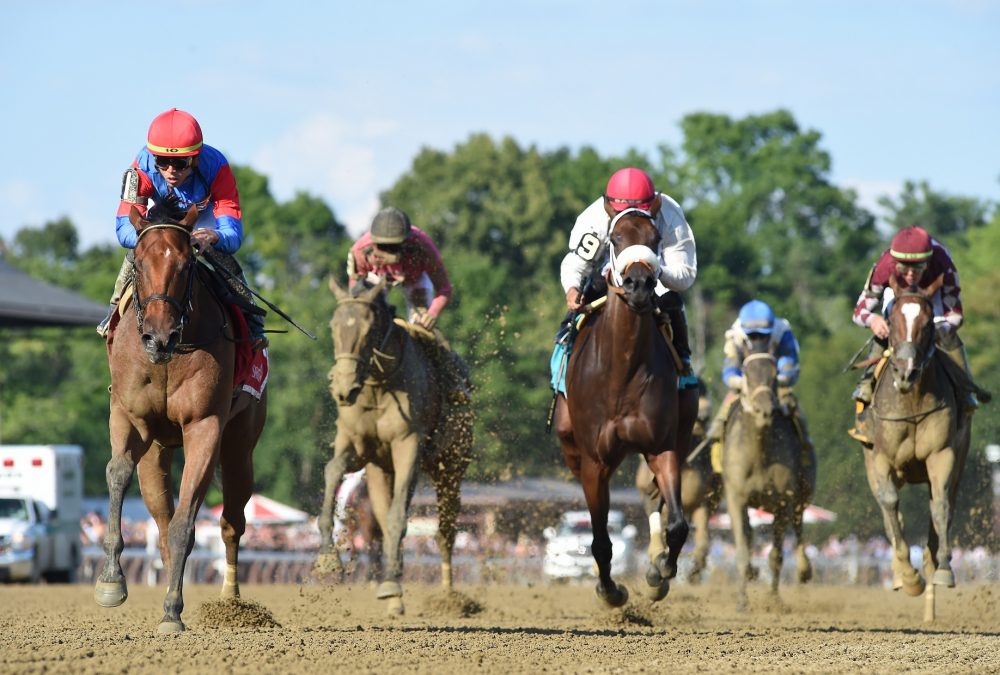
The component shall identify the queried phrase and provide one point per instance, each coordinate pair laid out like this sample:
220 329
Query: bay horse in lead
172 373
621 398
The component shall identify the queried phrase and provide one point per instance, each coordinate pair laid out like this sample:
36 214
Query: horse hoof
915 588
168 626
666 569
805 575
389 589
395 607
944 578
110 593
613 598
230 591
658 592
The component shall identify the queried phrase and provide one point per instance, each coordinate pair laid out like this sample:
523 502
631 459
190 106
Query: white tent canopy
758 517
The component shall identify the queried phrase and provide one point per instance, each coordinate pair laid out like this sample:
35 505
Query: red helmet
911 244
174 133
630 189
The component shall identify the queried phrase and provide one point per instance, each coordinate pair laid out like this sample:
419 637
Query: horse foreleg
776 558
886 494
572 454
666 467
594 478
941 474
157 494
803 565
699 518
329 556
404 464
201 453
111 589
736 506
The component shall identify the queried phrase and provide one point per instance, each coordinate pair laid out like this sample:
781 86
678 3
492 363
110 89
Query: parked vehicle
567 549
41 494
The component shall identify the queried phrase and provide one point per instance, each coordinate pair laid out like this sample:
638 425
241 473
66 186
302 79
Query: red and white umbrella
758 517
261 510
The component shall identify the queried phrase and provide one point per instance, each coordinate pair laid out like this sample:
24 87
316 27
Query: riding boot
672 305
863 395
123 280
717 428
253 314
958 356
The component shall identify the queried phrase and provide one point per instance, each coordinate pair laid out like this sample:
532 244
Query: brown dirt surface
501 629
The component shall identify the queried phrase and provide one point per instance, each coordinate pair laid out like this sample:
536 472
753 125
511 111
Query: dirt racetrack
500 629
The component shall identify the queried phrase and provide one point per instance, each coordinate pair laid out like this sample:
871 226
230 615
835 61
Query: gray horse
394 420
764 465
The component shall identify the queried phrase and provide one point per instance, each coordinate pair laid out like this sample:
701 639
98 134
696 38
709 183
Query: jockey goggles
179 163
916 267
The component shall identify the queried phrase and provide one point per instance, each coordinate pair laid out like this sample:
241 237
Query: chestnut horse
172 387
763 466
621 398
921 436
393 420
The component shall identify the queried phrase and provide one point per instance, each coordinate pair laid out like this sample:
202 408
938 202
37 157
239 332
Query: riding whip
854 359
209 255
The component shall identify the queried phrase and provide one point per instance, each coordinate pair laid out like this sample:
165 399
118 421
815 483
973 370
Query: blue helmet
757 317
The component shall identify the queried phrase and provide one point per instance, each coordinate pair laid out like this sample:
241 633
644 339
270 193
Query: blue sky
337 98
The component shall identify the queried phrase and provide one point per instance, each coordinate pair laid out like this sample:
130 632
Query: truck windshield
13 509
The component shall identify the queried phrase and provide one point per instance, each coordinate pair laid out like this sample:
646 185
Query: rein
142 302
183 308
375 361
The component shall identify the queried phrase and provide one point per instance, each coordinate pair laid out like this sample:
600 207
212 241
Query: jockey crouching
394 250
756 321
175 165
588 256
917 260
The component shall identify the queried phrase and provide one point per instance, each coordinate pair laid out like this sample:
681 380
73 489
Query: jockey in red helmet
632 188
176 162
915 259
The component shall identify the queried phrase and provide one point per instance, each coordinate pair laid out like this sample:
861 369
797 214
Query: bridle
768 389
636 253
182 307
907 350
380 361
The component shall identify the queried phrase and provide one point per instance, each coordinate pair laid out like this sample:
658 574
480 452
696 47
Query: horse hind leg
699 517
940 471
904 576
237 488
328 560
157 493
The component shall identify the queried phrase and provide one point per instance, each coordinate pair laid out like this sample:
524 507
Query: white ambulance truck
41 498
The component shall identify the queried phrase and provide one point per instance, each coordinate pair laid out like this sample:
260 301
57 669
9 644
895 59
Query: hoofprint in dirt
501 628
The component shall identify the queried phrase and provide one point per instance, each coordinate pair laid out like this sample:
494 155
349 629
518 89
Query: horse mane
167 210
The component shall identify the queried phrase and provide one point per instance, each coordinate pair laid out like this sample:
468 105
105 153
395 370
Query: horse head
760 371
911 331
163 276
635 265
359 325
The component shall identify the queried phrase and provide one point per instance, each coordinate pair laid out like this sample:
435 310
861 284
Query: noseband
142 302
630 255
375 361
761 388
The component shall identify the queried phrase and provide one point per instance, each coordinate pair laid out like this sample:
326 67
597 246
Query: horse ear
372 293
190 217
894 284
134 217
654 208
336 289
934 287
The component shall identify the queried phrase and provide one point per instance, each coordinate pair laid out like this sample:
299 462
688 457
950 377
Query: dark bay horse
172 361
622 398
701 494
921 436
763 466
393 421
